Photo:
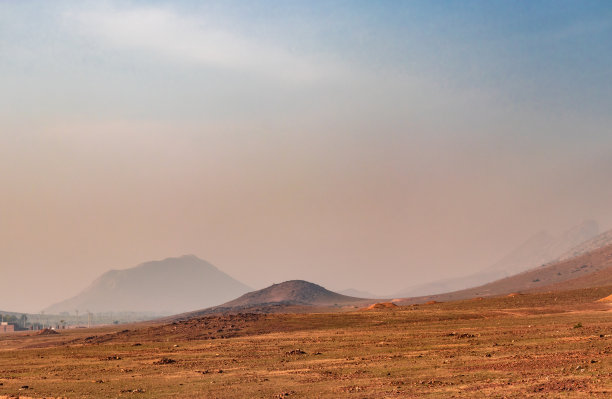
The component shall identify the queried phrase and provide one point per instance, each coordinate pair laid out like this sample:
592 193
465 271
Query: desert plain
544 345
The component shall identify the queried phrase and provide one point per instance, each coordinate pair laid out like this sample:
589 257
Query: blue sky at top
311 135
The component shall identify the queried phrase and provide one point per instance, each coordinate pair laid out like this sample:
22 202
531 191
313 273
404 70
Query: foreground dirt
544 345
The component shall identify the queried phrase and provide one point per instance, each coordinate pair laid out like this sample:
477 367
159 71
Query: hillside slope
169 286
590 245
592 269
542 248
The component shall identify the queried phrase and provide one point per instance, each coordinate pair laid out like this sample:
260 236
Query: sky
354 144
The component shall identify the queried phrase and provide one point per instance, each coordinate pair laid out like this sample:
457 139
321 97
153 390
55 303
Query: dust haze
374 173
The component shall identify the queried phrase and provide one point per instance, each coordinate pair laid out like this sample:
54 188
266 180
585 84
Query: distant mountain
599 241
589 270
447 285
357 293
540 249
169 286
544 248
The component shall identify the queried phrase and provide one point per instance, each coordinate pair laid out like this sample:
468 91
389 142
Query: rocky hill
295 296
297 292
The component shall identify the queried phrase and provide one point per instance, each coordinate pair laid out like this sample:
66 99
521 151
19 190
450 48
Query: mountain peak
171 285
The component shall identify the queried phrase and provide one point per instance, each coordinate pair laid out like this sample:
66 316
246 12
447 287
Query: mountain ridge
540 249
171 285
590 270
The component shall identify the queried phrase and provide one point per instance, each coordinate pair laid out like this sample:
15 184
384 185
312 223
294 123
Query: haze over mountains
589 270
168 286
592 267
539 249
358 293
189 284
599 241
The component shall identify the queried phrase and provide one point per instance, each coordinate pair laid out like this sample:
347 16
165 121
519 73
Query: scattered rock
463 335
137 390
47 331
382 306
165 360
295 352
466 335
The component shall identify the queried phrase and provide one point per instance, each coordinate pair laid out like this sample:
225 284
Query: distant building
6 327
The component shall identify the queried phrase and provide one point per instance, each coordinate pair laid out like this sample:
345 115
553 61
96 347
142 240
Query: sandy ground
556 345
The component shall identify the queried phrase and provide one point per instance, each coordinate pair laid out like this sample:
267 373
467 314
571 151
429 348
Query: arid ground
553 345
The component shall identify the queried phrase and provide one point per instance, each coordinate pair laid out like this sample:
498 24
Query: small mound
47 331
432 302
513 294
606 299
478 298
295 292
381 305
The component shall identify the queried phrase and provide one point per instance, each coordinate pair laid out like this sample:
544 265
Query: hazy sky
372 145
